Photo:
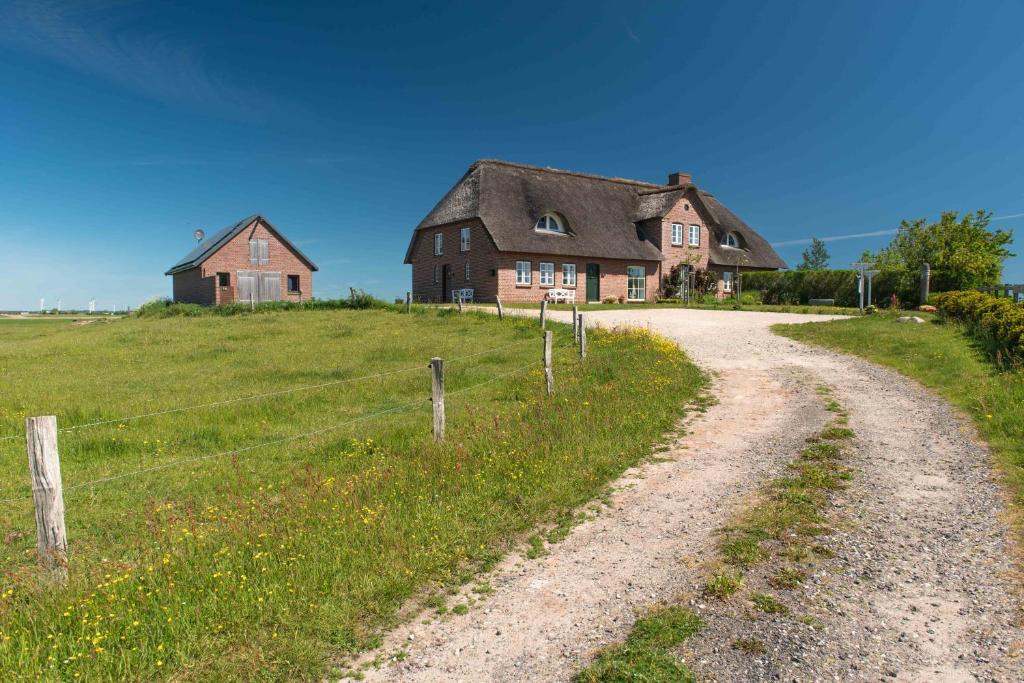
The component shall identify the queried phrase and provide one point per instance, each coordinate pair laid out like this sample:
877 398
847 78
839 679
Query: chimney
680 178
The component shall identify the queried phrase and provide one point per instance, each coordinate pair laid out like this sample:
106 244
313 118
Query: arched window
730 240
549 222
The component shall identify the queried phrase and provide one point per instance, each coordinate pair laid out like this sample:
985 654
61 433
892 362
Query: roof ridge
667 188
578 174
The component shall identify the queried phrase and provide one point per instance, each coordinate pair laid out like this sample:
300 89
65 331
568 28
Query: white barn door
257 286
246 287
270 287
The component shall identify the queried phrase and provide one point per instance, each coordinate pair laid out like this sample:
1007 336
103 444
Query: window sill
524 286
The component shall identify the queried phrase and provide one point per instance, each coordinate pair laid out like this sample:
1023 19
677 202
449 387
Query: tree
962 252
815 256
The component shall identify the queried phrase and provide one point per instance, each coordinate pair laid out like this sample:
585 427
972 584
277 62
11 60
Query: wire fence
48 492
311 434
269 394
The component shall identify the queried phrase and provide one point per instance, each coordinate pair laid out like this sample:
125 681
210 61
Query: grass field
945 358
266 563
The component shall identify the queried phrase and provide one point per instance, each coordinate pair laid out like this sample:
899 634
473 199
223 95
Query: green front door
593 282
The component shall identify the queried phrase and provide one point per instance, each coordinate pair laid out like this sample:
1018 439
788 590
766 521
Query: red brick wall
199 285
191 287
484 258
686 213
481 258
612 280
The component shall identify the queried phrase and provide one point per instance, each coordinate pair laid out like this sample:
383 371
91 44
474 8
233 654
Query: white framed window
694 235
677 234
438 244
549 222
547 274
727 282
435 275
730 240
636 283
464 239
568 274
466 273
524 273
259 252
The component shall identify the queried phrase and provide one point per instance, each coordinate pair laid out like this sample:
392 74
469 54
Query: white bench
465 295
565 296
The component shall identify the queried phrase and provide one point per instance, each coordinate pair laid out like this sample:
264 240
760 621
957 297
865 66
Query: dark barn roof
601 214
209 246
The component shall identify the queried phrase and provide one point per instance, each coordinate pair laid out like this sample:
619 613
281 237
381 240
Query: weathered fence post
459 298
437 396
543 313
575 324
926 282
501 313
583 336
548 376
48 495
408 302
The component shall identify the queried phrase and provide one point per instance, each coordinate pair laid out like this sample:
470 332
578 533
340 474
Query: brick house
247 261
516 231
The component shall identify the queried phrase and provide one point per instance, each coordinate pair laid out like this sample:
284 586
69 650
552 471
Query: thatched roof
753 252
601 214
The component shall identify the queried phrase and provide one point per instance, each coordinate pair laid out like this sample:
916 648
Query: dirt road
919 589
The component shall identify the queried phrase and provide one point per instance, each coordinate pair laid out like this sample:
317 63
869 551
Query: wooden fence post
575 324
501 313
543 314
548 376
583 337
408 302
48 495
460 302
437 396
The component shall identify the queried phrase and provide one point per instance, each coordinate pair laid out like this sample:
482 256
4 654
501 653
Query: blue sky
124 126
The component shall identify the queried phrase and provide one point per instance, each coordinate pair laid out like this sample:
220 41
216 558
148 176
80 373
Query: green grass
945 358
647 654
789 505
787 578
269 564
768 604
723 584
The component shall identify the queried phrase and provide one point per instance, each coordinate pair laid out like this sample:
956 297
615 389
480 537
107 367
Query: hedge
800 286
165 308
998 322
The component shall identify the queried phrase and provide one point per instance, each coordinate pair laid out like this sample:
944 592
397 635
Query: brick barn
250 260
518 231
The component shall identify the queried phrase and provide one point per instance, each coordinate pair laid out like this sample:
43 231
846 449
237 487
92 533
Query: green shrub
997 321
798 287
165 308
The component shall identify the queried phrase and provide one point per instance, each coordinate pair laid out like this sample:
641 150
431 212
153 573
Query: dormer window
730 240
549 222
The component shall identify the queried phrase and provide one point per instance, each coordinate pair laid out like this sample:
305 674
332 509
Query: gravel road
919 588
